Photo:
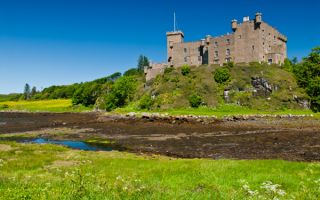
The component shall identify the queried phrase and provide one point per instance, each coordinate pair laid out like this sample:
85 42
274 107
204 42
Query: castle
251 41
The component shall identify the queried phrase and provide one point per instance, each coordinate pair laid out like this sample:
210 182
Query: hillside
257 86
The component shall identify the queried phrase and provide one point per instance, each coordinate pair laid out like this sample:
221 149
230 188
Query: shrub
222 75
195 100
168 70
121 93
185 70
146 102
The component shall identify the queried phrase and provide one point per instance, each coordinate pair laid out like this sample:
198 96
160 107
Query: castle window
228 41
216 54
228 52
228 60
215 44
252 47
185 59
185 50
269 61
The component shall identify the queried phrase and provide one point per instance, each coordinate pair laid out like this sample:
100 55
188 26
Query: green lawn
29 171
56 105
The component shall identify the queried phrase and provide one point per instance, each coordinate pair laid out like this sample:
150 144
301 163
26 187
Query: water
71 144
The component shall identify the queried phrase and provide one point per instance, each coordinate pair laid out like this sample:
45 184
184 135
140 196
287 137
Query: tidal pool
70 144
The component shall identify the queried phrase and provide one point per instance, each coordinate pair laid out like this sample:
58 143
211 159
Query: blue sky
54 42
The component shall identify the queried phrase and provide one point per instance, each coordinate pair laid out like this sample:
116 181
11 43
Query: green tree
222 75
27 91
122 93
308 76
143 61
33 91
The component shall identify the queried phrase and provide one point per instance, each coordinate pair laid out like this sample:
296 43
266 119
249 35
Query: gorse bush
185 70
222 75
195 100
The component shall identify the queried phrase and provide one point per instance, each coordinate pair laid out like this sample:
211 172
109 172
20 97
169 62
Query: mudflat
296 139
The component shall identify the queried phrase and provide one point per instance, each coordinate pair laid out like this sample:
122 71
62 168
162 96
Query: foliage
132 72
68 91
308 76
222 75
168 70
185 70
87 94
27 92
143 61
10 97
121 93
146 102
195 100
33 91
288 65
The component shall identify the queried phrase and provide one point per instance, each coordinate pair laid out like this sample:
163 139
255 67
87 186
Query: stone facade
251 41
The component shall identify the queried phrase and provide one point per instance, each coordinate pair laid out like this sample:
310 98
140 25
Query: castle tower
234 25
258 18
172 38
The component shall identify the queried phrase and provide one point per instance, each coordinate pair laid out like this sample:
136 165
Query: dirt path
289 139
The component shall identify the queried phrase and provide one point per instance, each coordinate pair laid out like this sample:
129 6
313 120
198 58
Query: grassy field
56 105
65 105
29 171
220 111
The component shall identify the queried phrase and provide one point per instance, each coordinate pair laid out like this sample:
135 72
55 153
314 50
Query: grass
30 171
56 105
219 111
65 105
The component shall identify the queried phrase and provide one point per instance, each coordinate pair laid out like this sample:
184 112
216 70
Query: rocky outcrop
261 87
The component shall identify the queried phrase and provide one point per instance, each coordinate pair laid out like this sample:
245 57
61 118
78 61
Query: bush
195 100
185 70
121 93
168 70
146 102
222 75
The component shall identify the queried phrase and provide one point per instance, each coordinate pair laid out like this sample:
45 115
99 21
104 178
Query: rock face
304 103
261 87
